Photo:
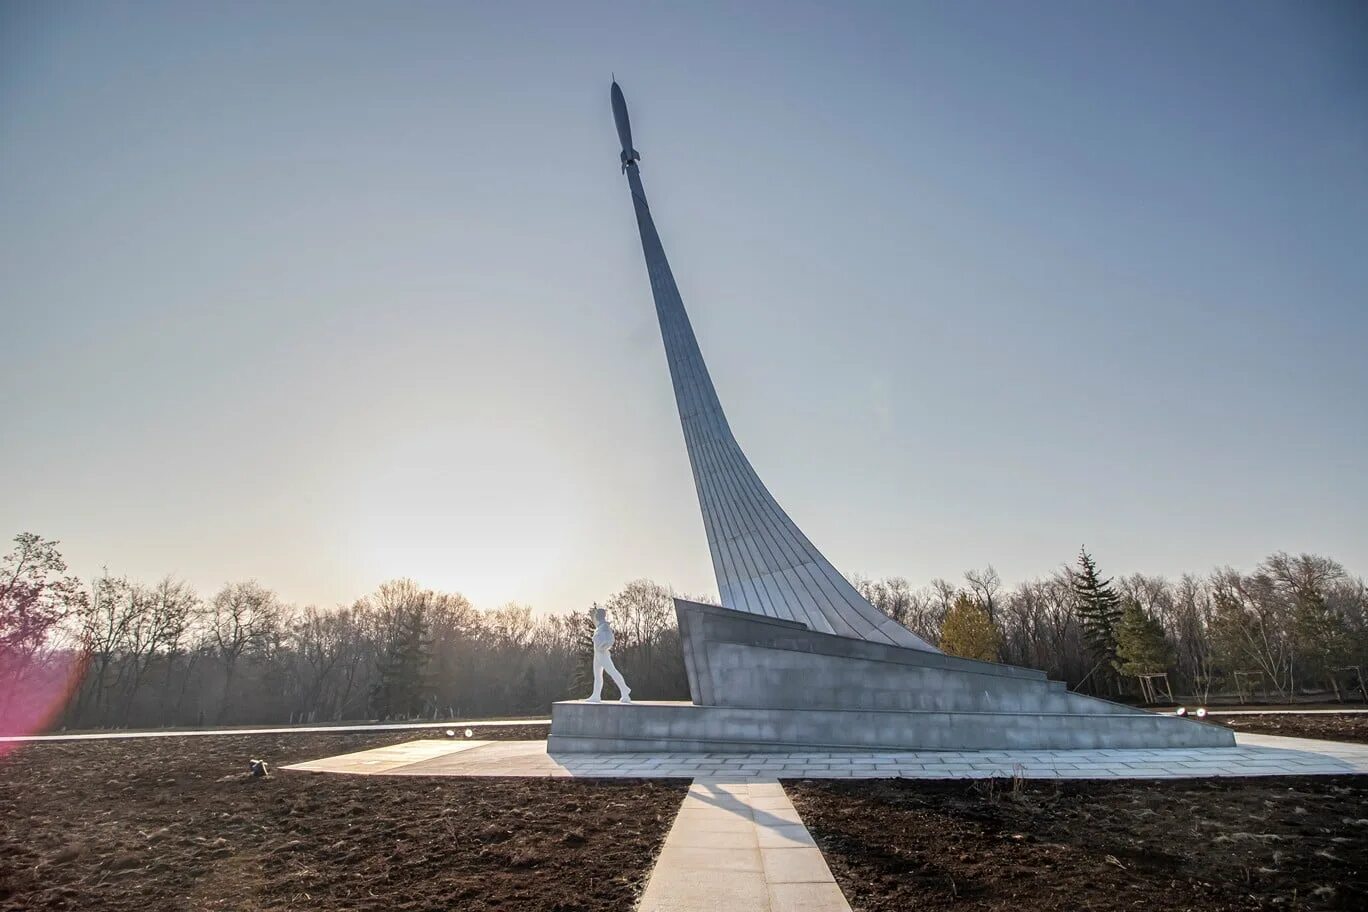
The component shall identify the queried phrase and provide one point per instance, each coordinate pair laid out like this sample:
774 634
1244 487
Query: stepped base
764 684
580 727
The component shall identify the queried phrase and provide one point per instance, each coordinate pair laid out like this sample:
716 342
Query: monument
795 658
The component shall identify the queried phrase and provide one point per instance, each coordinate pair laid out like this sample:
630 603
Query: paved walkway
740 846
1253 755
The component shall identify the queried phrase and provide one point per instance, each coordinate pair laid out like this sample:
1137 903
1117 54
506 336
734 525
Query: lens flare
36 690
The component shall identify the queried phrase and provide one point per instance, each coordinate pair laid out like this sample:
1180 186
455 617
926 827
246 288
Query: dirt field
1212 845
174 823
1347 727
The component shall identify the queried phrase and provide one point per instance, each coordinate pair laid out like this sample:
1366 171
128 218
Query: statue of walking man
603 659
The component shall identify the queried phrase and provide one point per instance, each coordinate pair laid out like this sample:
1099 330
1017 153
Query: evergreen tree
969 632
1322 639
1099 612
1141 647
404 684
526 699
582 669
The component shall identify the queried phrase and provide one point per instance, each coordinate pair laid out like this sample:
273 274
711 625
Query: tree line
1294 624
116 652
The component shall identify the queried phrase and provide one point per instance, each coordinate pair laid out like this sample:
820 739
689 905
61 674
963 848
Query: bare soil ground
175 823
1215 845
1347 727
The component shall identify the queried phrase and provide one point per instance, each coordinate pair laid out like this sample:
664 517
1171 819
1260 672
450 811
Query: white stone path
740 846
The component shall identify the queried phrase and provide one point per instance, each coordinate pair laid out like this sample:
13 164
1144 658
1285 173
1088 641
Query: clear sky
329 293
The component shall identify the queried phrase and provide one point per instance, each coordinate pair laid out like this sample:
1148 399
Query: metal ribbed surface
764 563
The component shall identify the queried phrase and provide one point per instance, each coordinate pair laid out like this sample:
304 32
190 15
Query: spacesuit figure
603 659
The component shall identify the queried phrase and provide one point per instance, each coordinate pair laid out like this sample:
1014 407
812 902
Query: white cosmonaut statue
603 659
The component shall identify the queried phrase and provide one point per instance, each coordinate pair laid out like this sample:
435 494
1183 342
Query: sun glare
493 527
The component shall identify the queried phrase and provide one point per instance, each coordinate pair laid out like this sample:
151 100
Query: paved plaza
1253 755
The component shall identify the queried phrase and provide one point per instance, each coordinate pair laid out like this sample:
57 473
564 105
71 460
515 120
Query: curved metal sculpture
764 563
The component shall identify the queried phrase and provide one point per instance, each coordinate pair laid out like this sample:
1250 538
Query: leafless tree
984 585
157 620
240 617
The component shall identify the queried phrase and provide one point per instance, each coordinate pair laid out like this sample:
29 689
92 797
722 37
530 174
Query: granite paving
1253 755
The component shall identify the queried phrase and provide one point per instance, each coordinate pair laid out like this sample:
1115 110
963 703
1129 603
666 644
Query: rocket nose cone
619 103
624 126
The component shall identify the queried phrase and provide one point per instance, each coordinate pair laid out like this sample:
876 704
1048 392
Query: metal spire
764 563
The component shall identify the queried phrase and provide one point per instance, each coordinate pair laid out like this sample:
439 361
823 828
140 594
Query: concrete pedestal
764 685
579 727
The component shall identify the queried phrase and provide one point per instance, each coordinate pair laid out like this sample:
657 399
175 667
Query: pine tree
404 682
969 632
1320 636
1141 647
1099 612
582 671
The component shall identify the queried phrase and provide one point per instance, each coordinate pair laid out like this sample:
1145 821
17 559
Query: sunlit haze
325 294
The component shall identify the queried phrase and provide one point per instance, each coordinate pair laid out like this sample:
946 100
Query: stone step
579 727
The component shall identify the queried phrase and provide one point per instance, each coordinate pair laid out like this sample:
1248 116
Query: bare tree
943 593
985 585
648 645
1251 626
156 623
919 610
241 616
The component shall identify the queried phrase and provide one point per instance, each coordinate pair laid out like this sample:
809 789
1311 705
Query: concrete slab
783 836
771 803
387 759
807 897
705 820
689 838
724 802
685 891
780 813
692 858
801 864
